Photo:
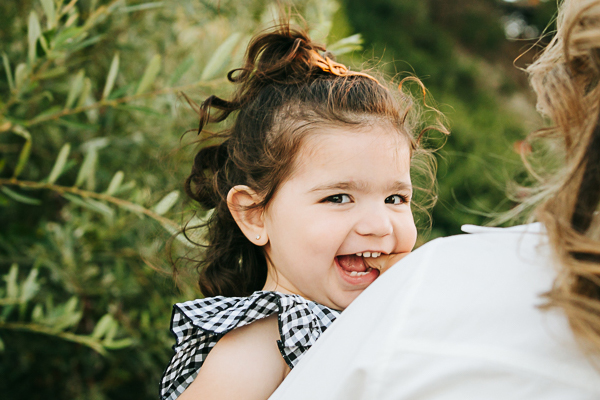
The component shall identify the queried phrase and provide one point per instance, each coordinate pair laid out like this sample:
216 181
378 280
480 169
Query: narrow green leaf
120 91
23 158
134 208
145 110
92 114
20 75
2 164
72 21
1 345
69 315
102 326
34 31
88 167
118 344
101 208
150 74
49 301
9 77
98 143
47 94
141 7
166 202
98 15
124 188
181 70
85 92
24 133
76 125
75 88
72 320
68 7
65 36
115 183
86 43
220 57
50 11
38 313
111 332
60 162
30 287
145 319
70 305
19 197
44 114
112 75
346 45
91 205
12 287
52 73
44 43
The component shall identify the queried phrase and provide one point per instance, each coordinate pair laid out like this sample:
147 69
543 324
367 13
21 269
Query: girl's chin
345 299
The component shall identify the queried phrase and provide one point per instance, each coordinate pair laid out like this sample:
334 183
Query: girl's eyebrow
398 186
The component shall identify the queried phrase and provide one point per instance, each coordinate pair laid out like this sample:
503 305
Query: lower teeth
356 273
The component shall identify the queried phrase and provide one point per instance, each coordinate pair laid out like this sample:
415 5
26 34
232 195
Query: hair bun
201 186
282 55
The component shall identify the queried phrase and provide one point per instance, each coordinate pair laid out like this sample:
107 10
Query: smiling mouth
355 265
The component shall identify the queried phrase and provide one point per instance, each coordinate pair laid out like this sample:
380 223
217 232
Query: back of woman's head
566 79
286 90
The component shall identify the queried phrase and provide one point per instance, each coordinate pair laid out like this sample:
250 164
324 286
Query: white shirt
456 319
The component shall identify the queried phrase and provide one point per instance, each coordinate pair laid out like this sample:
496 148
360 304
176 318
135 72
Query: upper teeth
369 254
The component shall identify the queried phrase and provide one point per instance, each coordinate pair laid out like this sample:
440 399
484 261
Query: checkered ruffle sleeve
199 324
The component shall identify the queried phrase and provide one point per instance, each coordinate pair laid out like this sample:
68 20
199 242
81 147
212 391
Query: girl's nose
374 222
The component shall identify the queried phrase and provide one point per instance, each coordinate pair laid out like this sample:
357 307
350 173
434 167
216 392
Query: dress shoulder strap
199 324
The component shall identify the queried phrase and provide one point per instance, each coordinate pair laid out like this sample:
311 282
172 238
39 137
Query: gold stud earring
257 237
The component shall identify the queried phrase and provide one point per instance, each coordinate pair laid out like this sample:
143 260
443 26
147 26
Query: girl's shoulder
199 324
219 315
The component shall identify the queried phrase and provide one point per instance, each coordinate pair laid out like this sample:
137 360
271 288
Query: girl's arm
244 364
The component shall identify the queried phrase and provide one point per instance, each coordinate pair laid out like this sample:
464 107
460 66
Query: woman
502 313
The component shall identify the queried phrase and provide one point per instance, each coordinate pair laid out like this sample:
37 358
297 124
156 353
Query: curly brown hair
282 96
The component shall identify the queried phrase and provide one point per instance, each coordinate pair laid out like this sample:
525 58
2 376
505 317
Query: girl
311 191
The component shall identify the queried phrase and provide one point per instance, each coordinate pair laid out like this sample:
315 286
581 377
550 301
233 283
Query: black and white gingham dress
199 324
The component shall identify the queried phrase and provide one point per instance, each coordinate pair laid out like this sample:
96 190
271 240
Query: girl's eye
338 199
396 199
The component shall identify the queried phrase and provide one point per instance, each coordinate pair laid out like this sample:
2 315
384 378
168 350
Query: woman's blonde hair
566 79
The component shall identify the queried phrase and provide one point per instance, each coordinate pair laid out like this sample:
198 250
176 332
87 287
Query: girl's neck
275 283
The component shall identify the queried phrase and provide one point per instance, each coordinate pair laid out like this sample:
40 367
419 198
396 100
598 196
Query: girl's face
349 194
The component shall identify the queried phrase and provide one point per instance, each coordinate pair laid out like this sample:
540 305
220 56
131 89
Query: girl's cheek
408 237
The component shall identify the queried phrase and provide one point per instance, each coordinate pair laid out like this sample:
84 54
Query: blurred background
93 156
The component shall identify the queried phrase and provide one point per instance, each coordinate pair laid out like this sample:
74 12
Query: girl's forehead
338 141
373 152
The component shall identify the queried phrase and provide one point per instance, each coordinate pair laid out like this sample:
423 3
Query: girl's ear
242 202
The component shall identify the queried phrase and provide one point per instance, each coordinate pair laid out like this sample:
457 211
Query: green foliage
49 319
92 159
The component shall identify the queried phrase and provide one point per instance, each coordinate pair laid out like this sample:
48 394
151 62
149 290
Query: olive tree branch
116 102
86 193
46 330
